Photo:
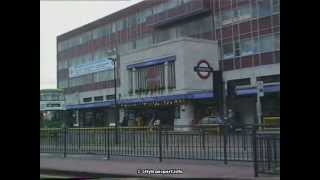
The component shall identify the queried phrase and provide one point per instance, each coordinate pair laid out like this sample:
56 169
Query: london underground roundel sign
203 69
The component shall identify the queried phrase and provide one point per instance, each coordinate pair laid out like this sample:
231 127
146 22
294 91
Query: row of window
92 57
119 25
250 46
247 11
152 77
171 75
188 29
51 97
98 98
86 79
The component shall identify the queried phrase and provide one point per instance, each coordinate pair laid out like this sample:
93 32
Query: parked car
210 124
210 121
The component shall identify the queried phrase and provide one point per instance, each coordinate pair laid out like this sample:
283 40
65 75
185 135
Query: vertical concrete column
184 123
133 81
166 77
121 115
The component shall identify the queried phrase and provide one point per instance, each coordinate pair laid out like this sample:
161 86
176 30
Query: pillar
133 81
186 117
166 77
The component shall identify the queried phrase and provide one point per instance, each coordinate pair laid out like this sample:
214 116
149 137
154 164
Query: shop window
238 82
98 98
86 100
110 97
171 75
269 79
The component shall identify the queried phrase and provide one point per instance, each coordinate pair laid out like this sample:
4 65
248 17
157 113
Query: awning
253 90
152 62
156 99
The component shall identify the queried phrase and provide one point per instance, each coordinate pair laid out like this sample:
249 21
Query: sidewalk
189 169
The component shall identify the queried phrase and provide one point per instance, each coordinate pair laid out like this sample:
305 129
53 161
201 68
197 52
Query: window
108 29
144 42
277 41
149 77
103 76
228 50
246 46
205 25
264 7
89 99
227 16
276 6
110 97
62 83
269 79
98 98
63 64
132 21
125 23
236 48
119 25
162 35
171 75
266 43
217 21
145 14
113 27
130 79
243 12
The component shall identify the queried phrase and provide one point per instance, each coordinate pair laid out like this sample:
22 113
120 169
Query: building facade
51 105
159 42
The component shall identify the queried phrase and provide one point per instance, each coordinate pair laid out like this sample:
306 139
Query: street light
114 56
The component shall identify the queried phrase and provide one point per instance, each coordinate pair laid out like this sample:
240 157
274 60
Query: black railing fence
249 143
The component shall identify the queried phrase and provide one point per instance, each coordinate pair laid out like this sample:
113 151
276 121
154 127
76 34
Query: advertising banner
91 67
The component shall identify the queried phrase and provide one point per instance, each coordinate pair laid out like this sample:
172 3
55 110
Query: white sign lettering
91 67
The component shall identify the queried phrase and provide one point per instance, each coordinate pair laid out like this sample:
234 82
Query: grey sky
57 17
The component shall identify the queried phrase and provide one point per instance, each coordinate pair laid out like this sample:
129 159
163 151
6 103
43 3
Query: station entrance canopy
158 99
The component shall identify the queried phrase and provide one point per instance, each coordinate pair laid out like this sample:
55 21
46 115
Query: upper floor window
266 43
276 6
264 8
228 51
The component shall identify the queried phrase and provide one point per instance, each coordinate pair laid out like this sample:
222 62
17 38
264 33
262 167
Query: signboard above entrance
91 67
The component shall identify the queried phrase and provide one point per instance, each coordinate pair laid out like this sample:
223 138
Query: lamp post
115 58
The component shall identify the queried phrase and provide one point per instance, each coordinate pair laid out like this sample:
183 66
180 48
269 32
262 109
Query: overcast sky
58 17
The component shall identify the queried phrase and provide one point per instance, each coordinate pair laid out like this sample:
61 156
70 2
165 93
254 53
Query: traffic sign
260 90
203 69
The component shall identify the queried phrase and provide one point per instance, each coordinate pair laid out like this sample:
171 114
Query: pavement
117 167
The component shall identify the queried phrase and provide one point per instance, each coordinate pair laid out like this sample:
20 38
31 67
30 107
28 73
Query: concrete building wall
252 72
188 52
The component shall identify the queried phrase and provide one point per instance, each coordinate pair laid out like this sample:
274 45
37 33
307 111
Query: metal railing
220 143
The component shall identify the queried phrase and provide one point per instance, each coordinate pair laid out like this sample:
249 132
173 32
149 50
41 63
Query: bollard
160 144
225 156
254 145
65 143
108 140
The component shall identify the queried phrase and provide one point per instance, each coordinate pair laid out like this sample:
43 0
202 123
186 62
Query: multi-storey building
159 42
51 103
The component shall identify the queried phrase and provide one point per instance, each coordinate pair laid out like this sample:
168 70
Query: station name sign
91 67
